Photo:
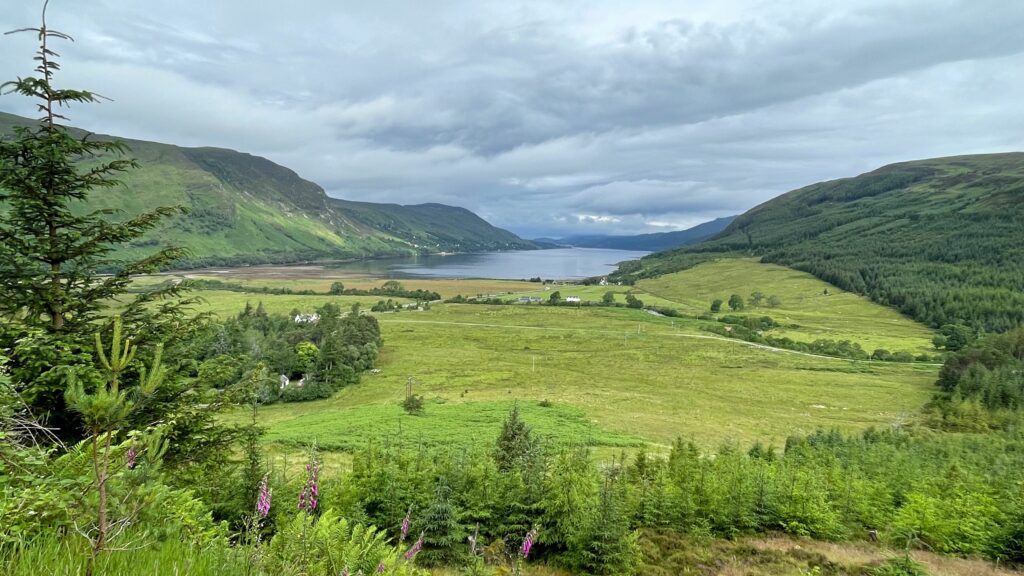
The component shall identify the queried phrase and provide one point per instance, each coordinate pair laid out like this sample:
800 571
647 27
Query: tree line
881 235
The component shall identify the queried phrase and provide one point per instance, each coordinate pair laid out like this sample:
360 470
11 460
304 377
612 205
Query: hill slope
941 240
651 242
245 209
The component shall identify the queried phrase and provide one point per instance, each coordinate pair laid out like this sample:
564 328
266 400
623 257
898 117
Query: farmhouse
529 299
572 299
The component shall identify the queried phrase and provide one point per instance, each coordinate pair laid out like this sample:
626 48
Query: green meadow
805 311
223 303
608 377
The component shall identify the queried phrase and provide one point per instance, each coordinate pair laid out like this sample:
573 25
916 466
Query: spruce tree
607 545
58 269
51 252
515 444
442 534
520 462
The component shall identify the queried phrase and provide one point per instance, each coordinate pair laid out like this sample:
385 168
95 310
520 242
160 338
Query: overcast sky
549 118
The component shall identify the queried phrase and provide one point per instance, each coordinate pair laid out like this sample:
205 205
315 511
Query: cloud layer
551 118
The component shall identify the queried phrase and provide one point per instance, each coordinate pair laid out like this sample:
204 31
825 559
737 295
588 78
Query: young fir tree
442 535
104 411
515 444
520 462
57 263
606 544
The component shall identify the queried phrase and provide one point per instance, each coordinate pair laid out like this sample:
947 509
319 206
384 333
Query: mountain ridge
247 209
939 239
654 242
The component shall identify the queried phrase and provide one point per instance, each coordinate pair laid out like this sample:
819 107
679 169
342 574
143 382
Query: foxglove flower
412 552
528 543
405 524
263 502
130 457
310 492
381 568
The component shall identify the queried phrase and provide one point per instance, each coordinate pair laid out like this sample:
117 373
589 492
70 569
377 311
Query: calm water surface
561 263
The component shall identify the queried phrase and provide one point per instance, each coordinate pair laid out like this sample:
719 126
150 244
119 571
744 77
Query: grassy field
611 378
347 428
612 375
805 311
319 279
223 303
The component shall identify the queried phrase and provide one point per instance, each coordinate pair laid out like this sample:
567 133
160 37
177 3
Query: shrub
329 545
903 566
413 404
735 302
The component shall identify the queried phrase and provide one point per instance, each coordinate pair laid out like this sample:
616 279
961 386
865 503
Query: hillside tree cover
243 209
939 240
982 385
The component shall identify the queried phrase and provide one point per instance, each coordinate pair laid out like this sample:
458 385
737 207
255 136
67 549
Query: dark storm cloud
553 117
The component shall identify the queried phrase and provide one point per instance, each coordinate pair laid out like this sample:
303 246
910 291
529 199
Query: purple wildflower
405 524
130 457
528 543
263 502
411 552
308 496
344 572
381 568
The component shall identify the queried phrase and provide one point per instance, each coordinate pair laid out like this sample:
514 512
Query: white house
572 299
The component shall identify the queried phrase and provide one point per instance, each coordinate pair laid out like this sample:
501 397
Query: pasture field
319 279
806 313
224 304
595 293
611 375
607 377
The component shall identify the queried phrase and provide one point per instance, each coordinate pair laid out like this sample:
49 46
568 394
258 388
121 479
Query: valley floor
612 378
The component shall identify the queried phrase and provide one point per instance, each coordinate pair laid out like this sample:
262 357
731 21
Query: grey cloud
545 117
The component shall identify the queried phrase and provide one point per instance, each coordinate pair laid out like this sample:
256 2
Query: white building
573 299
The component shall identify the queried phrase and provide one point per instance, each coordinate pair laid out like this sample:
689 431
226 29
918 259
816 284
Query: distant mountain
942 240
649 242
245 209
549 243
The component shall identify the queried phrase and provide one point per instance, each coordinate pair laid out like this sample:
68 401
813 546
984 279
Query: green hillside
941 240
245 209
